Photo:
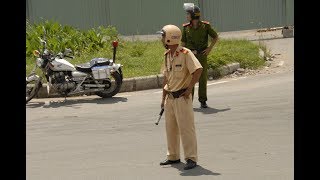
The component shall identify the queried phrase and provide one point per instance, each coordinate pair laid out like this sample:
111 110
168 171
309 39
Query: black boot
203 104
190 165
167 161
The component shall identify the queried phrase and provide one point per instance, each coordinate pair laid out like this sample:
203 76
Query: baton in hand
161 112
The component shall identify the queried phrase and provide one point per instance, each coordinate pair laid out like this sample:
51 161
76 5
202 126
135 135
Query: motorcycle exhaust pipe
81 92
86 91
93 90
94 85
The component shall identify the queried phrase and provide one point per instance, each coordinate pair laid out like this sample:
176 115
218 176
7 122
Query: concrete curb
149 82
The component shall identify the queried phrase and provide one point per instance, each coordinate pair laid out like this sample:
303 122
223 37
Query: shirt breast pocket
178 71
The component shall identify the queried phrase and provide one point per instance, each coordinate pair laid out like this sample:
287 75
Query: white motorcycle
101 76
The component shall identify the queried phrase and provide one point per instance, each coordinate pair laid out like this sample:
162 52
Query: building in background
139 17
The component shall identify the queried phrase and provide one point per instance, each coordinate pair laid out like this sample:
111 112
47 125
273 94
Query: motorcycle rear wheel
115 87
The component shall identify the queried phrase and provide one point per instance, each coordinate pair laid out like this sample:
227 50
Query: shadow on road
35 104
75 103
197 171
209 110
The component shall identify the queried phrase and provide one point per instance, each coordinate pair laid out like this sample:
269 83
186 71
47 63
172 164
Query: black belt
197 51
177 94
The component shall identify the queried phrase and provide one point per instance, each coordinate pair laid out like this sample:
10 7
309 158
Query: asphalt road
246 134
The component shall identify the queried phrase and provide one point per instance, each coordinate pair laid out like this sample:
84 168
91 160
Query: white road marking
220 82
198 85
239 78
217 83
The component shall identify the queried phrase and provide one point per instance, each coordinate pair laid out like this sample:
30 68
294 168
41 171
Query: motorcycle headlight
39 62
36 53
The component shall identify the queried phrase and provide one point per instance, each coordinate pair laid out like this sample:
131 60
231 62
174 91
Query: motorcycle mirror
44 36
44 31
42 41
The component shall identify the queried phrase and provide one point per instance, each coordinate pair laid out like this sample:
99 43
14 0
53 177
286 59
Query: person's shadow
210 110
197 171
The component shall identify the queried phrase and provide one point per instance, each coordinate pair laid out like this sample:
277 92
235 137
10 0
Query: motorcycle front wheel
114 86
32 88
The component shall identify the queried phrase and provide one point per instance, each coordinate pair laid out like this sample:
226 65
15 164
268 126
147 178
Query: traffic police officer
181 71
195 37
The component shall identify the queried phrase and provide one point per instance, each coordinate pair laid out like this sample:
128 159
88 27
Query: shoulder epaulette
186 24
184 51
206 22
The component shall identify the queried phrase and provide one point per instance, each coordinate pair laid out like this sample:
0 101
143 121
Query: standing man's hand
195 78
186 93
207 51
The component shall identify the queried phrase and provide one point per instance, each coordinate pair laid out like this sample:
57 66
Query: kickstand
65 98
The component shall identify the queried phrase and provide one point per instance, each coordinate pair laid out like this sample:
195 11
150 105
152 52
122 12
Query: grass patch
138 58
242 51
267 52
145 58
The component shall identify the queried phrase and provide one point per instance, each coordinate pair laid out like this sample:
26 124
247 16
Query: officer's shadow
197 171
209 110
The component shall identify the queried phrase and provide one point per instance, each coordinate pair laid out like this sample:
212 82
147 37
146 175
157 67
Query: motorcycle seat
100 62
86 67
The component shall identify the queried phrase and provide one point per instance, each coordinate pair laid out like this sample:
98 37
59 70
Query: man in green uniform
195 37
